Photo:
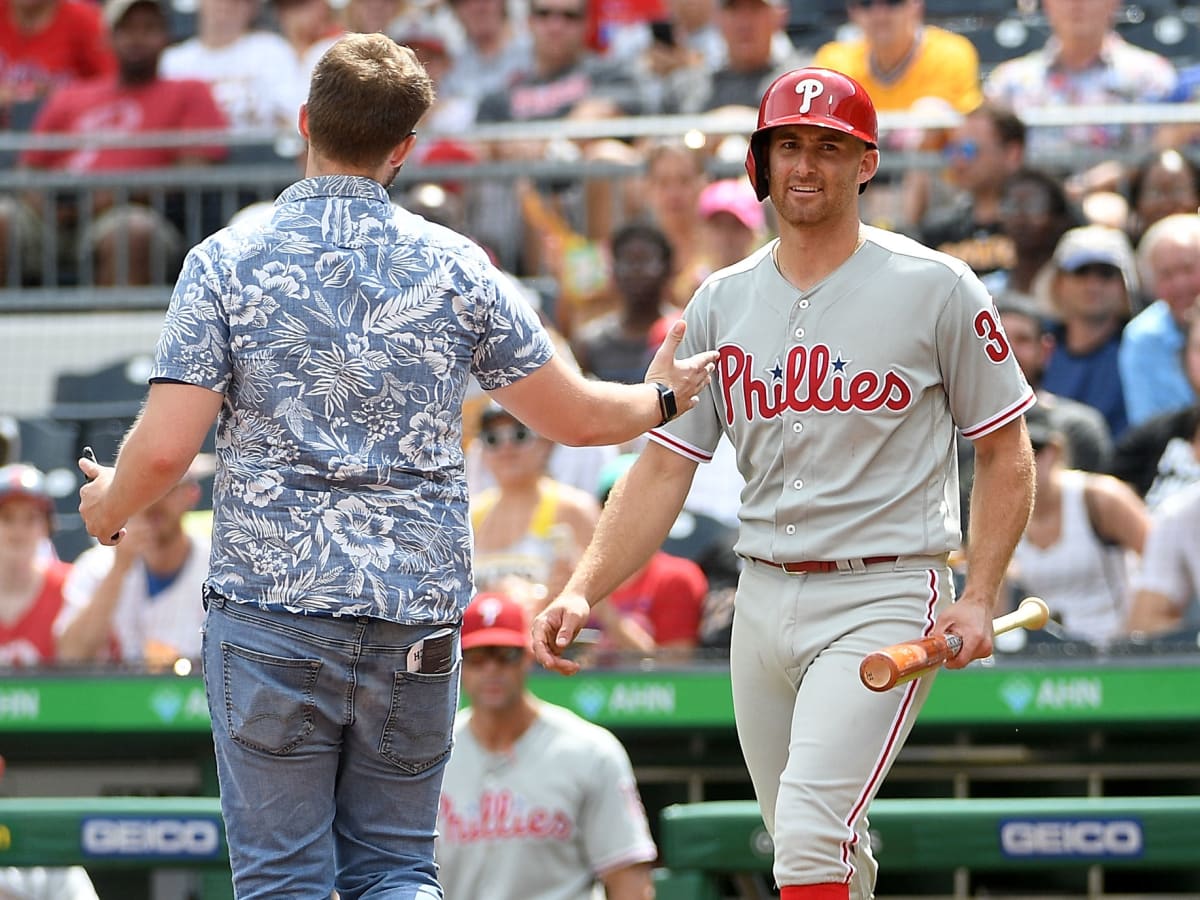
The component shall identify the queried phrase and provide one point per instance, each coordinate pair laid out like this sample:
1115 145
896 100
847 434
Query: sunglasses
517 435
505 656
867 4
549 12
968 151
1097 270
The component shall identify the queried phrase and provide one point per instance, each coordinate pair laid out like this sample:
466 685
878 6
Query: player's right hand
686 377
555 628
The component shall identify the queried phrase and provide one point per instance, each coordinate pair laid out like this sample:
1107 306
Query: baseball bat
883 669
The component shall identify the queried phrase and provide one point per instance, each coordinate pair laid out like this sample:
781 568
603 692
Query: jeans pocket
269 702
417 732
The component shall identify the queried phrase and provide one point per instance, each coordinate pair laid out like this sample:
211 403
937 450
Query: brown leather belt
810 566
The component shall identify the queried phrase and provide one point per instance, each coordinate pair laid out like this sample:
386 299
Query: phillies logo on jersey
809 90
810 378
501 815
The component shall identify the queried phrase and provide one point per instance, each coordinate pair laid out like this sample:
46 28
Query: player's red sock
829 891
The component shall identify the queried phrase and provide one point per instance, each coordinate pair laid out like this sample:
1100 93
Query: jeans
329 752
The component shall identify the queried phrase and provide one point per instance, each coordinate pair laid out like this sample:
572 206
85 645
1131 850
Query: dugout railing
1042 733
947 848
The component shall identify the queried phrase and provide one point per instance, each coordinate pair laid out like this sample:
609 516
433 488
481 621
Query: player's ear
869 165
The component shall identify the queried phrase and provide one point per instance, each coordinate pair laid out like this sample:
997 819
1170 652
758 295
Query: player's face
493 678
814 174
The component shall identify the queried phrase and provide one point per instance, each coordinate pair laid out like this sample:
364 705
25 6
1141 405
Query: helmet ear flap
756 164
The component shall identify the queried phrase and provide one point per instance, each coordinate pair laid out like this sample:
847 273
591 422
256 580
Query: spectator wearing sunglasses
1095 278
528 527
537 803
982 152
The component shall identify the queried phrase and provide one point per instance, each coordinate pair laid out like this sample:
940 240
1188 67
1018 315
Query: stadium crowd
1087 234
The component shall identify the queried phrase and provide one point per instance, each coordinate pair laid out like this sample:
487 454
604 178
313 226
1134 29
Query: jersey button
797 427
798 483
799 332
804 304
791 529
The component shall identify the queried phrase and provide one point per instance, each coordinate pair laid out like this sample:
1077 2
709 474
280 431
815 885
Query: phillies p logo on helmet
844 106
809 90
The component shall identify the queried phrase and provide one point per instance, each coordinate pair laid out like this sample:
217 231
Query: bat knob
1037 610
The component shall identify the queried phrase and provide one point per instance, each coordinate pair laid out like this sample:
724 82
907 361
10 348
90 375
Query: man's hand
971 620
92 507
555 628
686 377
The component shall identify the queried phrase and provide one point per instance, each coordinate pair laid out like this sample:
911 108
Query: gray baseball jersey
841 401
544 821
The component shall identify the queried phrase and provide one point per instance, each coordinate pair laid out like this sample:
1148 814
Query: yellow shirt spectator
943 65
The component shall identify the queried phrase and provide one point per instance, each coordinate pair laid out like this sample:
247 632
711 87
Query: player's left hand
555 628
971 619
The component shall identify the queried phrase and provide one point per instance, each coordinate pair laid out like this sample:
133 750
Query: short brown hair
367 94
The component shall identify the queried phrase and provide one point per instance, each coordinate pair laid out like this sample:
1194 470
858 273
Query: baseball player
537 803
847 357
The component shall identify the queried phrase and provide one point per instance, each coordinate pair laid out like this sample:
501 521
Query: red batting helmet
810 96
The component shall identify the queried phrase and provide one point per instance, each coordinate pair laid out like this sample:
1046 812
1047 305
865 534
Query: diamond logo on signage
1017 694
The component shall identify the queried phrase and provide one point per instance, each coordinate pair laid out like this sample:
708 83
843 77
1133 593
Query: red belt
810 566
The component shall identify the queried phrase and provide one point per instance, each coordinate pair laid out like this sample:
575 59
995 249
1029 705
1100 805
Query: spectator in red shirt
44 43
656 612
31 580
135 100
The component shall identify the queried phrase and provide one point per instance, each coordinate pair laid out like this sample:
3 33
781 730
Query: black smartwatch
666 403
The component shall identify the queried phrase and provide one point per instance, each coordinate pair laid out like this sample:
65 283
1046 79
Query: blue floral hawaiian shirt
343 332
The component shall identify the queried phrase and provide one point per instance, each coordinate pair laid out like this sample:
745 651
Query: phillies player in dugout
848 355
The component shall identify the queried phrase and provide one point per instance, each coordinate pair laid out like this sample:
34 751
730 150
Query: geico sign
151 837
1072 837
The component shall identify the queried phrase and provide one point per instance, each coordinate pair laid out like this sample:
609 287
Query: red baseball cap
495 620
19 481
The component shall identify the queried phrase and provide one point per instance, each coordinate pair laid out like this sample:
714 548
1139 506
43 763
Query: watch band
666 403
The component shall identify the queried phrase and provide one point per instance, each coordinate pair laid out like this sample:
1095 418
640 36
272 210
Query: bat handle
953 643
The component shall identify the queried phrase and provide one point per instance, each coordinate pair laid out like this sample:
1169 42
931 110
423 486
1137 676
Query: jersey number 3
995 343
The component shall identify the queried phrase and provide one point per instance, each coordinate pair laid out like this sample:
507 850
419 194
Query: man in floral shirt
336 342
1083 63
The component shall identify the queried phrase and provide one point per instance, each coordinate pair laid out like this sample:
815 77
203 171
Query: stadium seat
114 391
949 11
1169 35
1005 40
